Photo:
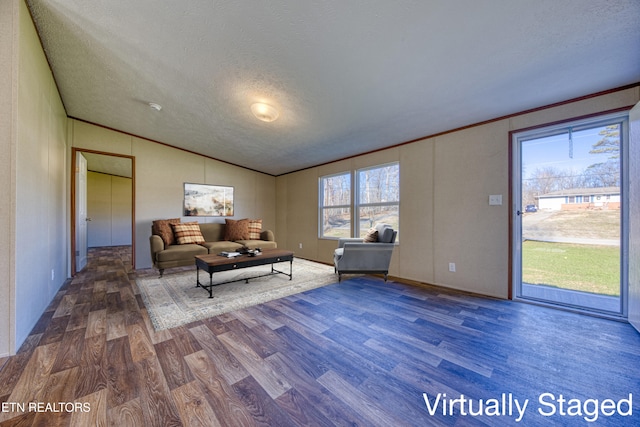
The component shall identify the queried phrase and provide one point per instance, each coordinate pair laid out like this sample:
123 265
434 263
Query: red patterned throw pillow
162 227
255 228
236 229
188 232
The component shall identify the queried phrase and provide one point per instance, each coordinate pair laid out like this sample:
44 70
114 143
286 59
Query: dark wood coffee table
215 263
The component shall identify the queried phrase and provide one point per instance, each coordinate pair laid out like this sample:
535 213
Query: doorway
569 214
114 222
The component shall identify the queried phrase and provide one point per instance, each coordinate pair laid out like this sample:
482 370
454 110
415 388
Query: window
335 205
376 198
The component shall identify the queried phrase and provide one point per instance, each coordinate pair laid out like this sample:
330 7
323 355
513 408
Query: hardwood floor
362 353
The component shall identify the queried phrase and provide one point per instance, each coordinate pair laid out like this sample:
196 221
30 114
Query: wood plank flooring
359 353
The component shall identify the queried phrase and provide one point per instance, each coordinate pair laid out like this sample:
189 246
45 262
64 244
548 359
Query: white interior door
634 216
81 212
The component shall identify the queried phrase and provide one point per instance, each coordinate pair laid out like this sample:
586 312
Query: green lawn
586 268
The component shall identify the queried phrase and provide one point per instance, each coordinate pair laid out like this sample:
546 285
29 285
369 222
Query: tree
610 142
545 180
606 174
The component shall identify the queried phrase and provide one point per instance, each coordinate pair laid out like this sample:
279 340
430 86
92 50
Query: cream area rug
174 300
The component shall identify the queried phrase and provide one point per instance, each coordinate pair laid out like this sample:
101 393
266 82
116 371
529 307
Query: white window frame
322 207
354 204
358 232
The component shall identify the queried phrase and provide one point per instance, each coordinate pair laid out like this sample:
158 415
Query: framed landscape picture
207 200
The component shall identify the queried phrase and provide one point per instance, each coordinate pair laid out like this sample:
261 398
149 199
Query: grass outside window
586 268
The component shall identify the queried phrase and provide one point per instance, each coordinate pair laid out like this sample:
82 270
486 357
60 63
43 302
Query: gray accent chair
355 256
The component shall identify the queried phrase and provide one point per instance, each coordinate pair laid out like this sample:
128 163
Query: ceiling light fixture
155 106
264 112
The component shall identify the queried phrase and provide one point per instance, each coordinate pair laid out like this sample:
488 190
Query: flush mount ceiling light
155 106
264 112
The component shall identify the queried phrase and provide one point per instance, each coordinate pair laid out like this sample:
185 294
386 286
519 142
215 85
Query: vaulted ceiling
347 77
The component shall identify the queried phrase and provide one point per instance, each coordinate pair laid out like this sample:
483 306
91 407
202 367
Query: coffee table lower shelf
215 263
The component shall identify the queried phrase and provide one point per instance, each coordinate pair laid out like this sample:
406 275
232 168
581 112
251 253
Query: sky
553 151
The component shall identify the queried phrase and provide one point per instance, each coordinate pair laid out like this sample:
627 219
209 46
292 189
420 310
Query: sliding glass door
569 214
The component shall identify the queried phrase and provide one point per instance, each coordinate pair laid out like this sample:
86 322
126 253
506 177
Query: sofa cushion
253 244
221 246
236 229
188 232
255 228
212 231
180 252
162 227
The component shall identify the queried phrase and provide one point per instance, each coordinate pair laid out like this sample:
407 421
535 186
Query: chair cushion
371 236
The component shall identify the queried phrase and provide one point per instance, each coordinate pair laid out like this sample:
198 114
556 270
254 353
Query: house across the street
581 198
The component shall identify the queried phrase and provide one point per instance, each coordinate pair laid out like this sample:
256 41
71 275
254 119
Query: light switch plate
495 199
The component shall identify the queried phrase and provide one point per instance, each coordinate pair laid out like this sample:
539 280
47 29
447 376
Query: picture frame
207 200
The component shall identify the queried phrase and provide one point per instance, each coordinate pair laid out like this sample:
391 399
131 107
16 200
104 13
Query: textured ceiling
347 76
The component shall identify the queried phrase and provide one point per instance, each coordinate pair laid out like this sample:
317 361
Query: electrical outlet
300 245
452 267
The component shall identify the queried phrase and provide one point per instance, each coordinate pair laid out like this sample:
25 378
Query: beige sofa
166 253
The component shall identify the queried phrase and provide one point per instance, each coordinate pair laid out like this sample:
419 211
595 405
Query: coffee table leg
274 271
200 285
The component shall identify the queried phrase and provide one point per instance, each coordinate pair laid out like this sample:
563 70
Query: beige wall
160 173
33 122
445 215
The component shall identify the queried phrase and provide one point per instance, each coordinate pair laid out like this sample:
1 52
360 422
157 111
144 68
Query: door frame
73 215
624 239
634 214
80 253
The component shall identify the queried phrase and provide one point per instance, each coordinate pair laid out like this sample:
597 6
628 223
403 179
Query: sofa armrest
268 236
157 245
